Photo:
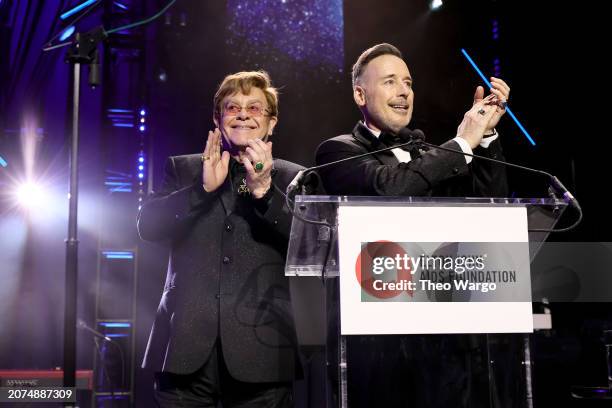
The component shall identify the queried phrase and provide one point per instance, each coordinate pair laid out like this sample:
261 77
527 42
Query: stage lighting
76 9
435 4
67 33
3 162
120 5
30 195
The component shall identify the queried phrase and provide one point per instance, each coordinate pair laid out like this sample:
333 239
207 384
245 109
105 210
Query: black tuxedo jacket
435 173
225 275
391 370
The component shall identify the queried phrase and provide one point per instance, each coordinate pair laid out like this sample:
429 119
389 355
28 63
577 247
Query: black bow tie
392 140
389 140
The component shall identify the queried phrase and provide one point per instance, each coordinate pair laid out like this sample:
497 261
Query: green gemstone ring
259 166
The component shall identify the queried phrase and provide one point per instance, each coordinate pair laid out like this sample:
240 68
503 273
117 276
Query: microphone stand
83 52
416 139
555 183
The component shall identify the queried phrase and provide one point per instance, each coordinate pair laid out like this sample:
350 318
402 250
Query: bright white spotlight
30 195
435 4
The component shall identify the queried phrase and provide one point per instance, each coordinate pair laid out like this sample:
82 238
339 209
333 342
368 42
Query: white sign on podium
434 269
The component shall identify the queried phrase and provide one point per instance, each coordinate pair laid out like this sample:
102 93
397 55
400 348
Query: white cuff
486 141
465 147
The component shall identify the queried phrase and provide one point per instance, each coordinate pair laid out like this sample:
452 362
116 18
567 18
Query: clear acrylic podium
312 264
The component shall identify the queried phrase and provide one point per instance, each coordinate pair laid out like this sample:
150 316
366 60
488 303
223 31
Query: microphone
554 181
296 182
83 326
416 139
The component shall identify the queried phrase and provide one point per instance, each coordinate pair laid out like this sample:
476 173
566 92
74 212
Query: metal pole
528 374
70 296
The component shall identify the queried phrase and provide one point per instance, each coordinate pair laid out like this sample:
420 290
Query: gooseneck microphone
416 139
554 181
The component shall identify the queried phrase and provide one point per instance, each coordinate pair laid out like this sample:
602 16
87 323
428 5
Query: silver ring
482 111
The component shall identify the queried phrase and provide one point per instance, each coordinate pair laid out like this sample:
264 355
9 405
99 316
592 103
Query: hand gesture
501 90
476 120
215 165
258 163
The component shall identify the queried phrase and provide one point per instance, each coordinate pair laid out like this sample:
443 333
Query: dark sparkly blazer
225 276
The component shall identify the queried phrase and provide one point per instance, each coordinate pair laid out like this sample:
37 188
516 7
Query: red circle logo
364 267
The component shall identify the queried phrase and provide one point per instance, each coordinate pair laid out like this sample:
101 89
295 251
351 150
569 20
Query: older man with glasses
224 328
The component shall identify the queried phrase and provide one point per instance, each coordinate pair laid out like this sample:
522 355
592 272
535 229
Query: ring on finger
482 111
259 166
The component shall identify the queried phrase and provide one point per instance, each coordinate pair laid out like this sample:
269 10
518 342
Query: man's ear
359 95
272 124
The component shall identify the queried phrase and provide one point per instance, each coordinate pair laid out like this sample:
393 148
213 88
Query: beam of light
29 139
3 162
76 9
31 195
436 4
118 255
116 110
120 5
486 81
115 324
13 230
67 33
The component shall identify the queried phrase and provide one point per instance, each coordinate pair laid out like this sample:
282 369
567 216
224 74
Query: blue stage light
142 112
486 81
119 186
141 159
121 6
141 167
3 162
115 324
67 33
76 9
140 175
142 128
118 255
